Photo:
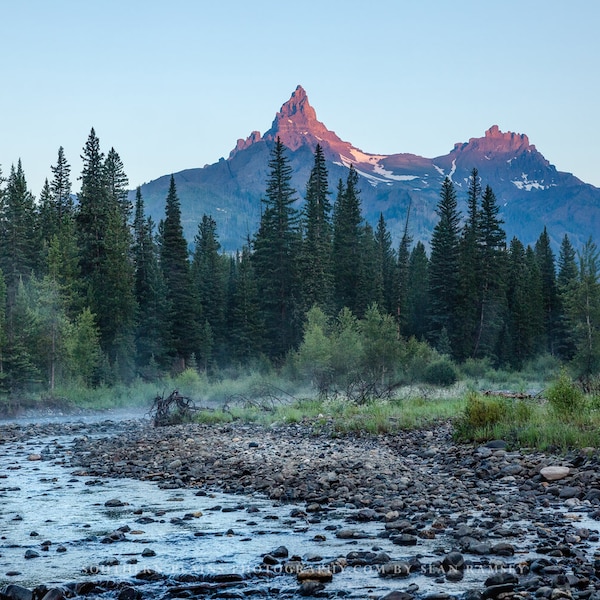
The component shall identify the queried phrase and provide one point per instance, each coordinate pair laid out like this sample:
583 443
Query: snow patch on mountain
525 184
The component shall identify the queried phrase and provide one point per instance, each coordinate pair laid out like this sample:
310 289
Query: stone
114 503
554 473
31 554
53 594
394 569
18 592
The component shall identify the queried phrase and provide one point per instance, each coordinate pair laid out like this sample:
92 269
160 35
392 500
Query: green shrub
565 397
442 372
480 413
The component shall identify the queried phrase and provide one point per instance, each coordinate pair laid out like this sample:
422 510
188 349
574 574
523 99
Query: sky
173 85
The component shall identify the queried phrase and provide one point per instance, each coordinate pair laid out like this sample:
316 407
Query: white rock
554 473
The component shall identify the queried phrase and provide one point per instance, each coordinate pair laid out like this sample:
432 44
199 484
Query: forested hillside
93 291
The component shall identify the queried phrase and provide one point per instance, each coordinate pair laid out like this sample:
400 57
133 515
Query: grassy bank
553 413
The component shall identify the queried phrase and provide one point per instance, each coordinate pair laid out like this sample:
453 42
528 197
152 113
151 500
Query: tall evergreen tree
93 210
209 280
117 183
19 245
105 260
523 303
276 252
444 267
583 310
317 277
550 308
418 298
388 265
183 315
469 274
347 243
246 326
150 293
491 297
369 267
402 289
567 275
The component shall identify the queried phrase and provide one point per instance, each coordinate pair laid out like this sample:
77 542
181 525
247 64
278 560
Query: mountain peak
296 125
497 142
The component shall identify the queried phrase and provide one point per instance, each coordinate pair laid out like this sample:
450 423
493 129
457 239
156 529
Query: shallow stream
81 529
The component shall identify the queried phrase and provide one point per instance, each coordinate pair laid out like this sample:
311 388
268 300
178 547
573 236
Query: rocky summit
531 192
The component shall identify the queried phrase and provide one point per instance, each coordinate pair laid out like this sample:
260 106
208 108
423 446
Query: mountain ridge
531 192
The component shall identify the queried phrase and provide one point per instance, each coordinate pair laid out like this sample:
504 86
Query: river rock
54 594
18 592
554 473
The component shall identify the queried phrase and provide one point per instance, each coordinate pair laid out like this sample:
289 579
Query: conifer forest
93 292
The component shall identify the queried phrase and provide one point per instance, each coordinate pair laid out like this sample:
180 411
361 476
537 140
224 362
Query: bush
442 372
565 397
480 413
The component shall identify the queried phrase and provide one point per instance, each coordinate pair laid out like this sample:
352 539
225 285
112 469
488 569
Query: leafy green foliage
442 372
565 397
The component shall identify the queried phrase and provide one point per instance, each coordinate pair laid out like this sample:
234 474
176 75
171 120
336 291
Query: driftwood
514 395
175 408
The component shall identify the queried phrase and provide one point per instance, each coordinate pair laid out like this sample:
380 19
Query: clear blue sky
173 85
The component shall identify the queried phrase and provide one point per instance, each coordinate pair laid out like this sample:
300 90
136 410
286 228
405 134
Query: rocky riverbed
409 515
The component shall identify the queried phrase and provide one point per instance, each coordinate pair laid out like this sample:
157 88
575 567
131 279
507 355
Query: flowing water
67 520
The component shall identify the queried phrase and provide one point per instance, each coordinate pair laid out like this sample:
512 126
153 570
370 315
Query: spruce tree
246 339
347 243
209 280
567 275
105 261
417 298
317 277
523 307
444 267
183 314
582 301
469 274
370 281
276 254
401 284
550 307
19 244
150 293
492 264
388 264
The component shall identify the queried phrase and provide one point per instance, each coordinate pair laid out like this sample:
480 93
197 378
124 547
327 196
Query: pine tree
118 184
444 267
402 289
105 260
276 253
317 278
209 275
246 327
467 309
61 187
347 243
19 244
491 297
417 299
150 293
3 336
389 266
369 268
550 308
183 314
567 275
582 302
523 305
93 210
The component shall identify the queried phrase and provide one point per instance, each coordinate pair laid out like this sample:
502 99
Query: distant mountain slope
531 192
